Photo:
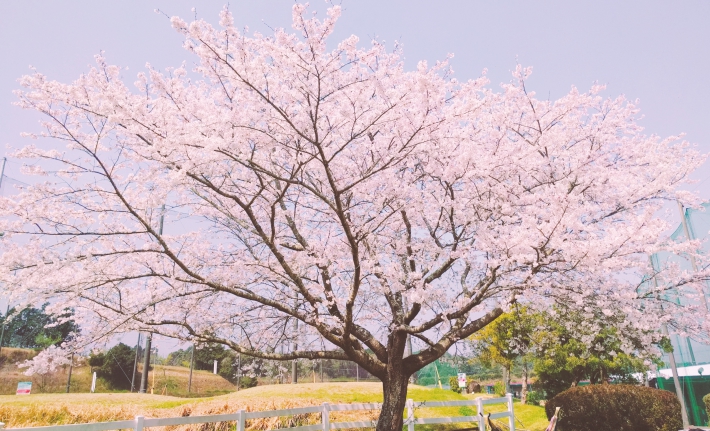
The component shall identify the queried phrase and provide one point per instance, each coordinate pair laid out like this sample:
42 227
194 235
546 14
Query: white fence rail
240 417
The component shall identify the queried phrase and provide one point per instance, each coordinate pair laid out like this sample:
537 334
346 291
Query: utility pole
2 171
294 364
4 322
192 366
135 363
71 365
146 364
674 369
149 337
239 370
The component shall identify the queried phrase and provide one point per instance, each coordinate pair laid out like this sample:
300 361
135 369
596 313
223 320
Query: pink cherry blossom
371 204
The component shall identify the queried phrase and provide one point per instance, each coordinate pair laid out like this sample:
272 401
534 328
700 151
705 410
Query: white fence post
325 417
242 420
410 415
511 417
2 425
139 423
481 419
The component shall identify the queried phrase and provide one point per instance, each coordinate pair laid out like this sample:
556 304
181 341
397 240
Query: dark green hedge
616 408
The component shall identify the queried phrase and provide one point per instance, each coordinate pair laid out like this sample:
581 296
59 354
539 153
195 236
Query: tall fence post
479 414
139 423
511 415
241 423
325 417
410 415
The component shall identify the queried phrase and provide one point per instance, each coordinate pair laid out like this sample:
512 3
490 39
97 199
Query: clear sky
658 52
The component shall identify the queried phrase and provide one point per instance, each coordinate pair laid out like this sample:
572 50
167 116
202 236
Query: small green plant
499 389
454 384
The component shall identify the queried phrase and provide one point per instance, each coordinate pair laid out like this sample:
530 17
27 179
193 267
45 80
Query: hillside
163 379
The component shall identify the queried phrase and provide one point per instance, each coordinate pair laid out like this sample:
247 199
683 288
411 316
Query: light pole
674 368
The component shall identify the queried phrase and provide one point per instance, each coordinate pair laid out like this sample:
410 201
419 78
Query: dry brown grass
55 409
162 379
112 407
173 381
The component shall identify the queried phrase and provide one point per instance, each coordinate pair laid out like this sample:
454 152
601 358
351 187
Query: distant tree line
29 328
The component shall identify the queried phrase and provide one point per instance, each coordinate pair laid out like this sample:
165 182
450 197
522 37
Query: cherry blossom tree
45 363
302 181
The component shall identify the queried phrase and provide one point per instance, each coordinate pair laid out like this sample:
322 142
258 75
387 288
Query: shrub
499 389
616 407
116 366
454 384
534 397
247 382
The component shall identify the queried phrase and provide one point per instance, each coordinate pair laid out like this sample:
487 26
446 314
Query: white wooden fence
240 417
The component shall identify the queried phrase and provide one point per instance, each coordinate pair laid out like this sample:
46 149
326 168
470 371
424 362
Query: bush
616 407
246 382
116 366
499 389
454 384
534 397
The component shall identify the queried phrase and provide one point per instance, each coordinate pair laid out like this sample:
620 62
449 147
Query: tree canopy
300 180
35 328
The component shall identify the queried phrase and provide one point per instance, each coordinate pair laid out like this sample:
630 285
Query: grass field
164 380
47 409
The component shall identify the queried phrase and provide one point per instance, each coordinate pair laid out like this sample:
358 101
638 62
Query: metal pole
692 258
4 321
148 339
192 366
135 363
2 171
674 369
239 370
146 364
676 382
294 364
71 365
152 386
694 264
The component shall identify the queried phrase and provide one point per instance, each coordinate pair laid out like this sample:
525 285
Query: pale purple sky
658 52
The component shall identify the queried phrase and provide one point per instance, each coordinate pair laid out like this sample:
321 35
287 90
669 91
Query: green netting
698 223
688 351
694 389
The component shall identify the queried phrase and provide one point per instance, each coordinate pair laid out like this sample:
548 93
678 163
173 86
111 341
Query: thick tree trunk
506 378
394 388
